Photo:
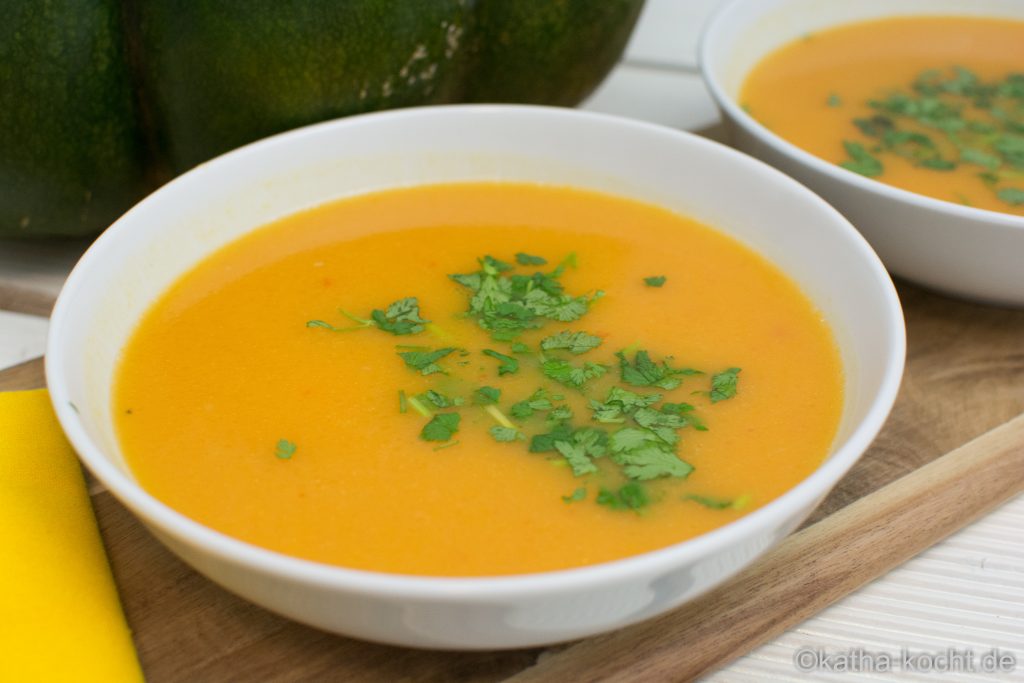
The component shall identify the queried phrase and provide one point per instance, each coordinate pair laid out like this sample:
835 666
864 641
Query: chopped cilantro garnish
574 342
1011 195
529 260
327 326
937 163
643 372
507 365
505 434
539 400
486 396
542 443
560 413
647 453
438 399
861 161
576 496
441 427
737 503
631 496
564 372
620 402
713 503
285 449
641 441
723 385
970 155
945 119
401 317
509 304
576 456
425 361
684 411
655 280
581 447
834 100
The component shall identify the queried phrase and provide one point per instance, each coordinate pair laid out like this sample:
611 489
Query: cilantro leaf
631 496
401 317
564 372
538 400
861 161
723 385
528 260
620 402
651 462
486 396
646 453
285 449
505 434
507 366
581 447
834 100
563 308
560 413
937 163
970 155
1011 195
574 342
425 361
576 455
438 399
576 496
643 372
327 326
713 503
542 443
685 412
520 347
655 280
441 427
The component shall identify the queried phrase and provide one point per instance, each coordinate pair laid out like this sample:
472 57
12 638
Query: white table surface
965 593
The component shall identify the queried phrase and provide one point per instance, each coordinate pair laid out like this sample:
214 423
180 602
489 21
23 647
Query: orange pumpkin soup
477 379
934 105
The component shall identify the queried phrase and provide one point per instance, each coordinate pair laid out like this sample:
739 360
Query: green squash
104 100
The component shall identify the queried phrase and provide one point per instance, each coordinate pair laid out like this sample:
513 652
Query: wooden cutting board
952 450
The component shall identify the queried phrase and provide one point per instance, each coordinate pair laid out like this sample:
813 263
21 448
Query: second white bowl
968 252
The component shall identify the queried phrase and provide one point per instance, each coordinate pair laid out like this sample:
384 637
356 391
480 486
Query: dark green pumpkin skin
71 156
162 85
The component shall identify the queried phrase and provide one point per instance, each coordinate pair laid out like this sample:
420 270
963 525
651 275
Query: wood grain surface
965 376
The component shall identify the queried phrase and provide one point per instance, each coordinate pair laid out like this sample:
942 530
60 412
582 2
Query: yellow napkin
60 617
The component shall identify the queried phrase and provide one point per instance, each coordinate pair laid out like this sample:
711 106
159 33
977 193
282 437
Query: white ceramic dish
154 243
968 252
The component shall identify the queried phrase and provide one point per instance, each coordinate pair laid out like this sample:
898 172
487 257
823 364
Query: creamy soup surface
934 105
600 379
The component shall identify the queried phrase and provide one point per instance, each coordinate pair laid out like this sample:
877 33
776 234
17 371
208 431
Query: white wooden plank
667 33
670 98
22 337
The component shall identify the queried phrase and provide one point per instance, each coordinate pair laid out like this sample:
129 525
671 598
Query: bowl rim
710 39
154 513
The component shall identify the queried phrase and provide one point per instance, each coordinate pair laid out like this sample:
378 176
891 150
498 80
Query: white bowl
186 220
973 253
